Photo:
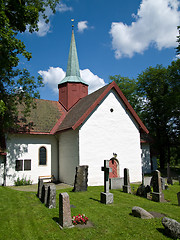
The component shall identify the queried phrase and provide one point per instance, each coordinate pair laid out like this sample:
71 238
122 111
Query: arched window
42 156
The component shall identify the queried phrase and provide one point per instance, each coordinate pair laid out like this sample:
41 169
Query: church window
27 165
19 165
42 156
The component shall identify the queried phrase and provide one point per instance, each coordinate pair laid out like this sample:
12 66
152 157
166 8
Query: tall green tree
160 88
155 96
17 85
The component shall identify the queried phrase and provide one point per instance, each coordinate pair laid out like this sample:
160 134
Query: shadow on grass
56 219
164 232
95 200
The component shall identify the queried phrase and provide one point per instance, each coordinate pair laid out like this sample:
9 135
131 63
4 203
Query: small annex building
78 129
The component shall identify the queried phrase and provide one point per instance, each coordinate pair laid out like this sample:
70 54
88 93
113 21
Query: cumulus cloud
44 28
92 80
82 25
155 25
53 77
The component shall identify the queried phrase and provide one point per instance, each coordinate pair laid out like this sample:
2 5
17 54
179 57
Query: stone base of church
106 198
127 189
157 197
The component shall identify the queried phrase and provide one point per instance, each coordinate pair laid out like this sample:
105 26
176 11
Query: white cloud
53 77
92 80
82 25
63 8
155 24
44 28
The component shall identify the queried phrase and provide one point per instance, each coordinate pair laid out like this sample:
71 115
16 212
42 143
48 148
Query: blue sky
112 37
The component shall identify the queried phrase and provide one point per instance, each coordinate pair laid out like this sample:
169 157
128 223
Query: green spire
72 72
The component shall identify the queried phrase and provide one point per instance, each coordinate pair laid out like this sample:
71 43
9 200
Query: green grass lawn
23 216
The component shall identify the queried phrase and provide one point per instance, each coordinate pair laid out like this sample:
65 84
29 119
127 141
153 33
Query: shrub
22 182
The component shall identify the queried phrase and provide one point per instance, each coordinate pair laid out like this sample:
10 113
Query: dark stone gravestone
65 219
81 179
51 198
126 187
169 178
178 197
40 185
143 191
157 194
106 196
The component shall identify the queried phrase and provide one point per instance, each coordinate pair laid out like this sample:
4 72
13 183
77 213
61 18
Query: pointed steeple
72 72
72 88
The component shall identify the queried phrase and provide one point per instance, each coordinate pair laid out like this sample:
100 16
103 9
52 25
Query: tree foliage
17 85
155 97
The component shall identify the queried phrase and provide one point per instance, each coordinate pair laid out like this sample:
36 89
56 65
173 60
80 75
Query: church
78 129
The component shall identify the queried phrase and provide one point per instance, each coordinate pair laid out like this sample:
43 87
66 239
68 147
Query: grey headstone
106 197
141 213
81 179
169 178
147 181
162 183
116 183
126 187
40 185
51 201
178 197
172 227
65 219
45 192
157 194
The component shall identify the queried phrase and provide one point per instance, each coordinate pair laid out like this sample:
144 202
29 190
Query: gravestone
172 227
65 219
126 187
162 183
106 196
157 194
40 185
51 198
169 179
116 183
178 197
45 193
81 179
141 213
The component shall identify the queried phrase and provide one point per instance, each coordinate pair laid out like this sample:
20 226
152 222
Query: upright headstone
65 219
40 185
157 194
44 197
51 200
169 178
106 196
178 197
81 179
126 187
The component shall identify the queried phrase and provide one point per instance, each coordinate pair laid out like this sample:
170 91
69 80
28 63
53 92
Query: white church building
78 129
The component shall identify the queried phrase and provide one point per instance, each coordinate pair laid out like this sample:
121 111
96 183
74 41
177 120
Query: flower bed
79 219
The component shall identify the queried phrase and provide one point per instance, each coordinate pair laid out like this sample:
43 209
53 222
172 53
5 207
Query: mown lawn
23 216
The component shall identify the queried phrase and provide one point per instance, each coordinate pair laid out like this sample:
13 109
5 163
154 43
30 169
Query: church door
114 165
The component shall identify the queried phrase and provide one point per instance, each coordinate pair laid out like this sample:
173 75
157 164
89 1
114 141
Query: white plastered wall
68 155
26 146
146 161
105 133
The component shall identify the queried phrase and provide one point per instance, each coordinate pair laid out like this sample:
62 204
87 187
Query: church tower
72 88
